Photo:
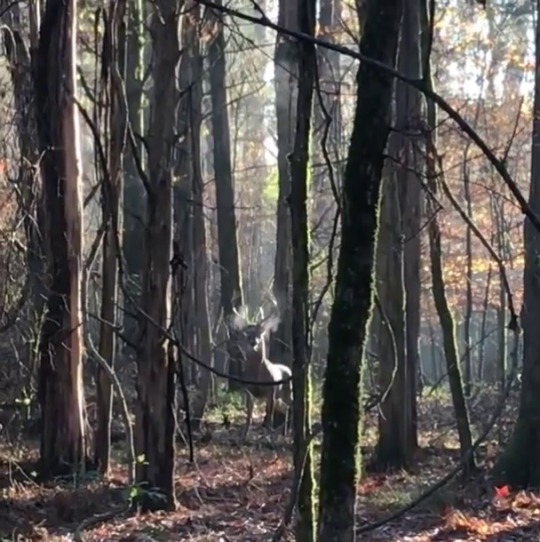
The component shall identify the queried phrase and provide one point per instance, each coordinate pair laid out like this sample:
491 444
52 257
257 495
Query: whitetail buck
251 342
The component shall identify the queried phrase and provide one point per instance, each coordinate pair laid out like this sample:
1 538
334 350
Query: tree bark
519 465
154 422
112 187
285 78
351 311
399 254
31 197
327 129
393 450
231 289
303 459
133 189
191 68
60 390
468 286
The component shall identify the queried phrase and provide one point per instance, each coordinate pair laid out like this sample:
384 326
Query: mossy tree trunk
351 311
303 459
60 391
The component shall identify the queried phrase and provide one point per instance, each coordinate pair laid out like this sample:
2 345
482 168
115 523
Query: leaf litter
237 493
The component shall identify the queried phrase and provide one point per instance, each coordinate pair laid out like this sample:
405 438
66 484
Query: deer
251 343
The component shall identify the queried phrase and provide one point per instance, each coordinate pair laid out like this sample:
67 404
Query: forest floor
239 493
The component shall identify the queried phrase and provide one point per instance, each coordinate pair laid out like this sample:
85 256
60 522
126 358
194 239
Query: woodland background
168 167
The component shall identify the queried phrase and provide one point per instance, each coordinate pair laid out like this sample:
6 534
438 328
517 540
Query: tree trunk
60 390
285 84
133 191
303 459
351 311
519 464
192 64
447 326
411 205
434 170
468 285
31 198
231 290
392 449
327 129
154 422
399 252
111 205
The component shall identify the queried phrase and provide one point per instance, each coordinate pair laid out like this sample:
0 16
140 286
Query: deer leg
270 407
249 409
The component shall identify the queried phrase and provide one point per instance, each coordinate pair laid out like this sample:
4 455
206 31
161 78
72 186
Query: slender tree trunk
448 328
327 129
231 291
502 247
468 286
154 422
112 188
351 311
303 459
60 392
434 170
483 326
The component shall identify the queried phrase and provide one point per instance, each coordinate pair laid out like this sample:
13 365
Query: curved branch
418 84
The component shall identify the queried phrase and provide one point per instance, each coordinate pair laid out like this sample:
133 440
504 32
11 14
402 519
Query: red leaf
502 492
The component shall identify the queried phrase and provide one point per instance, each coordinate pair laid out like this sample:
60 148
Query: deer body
258 368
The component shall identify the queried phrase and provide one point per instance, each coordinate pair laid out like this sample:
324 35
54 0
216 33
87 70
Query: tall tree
60 391
519 464
399 256
154 422
21 58
285 78
191 77
112 186
351 311
303 458
133 189
231 290
327 128
434 171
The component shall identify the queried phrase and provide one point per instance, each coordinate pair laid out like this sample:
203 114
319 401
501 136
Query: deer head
249 335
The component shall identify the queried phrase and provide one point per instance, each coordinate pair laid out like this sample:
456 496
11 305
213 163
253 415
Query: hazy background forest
269 270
